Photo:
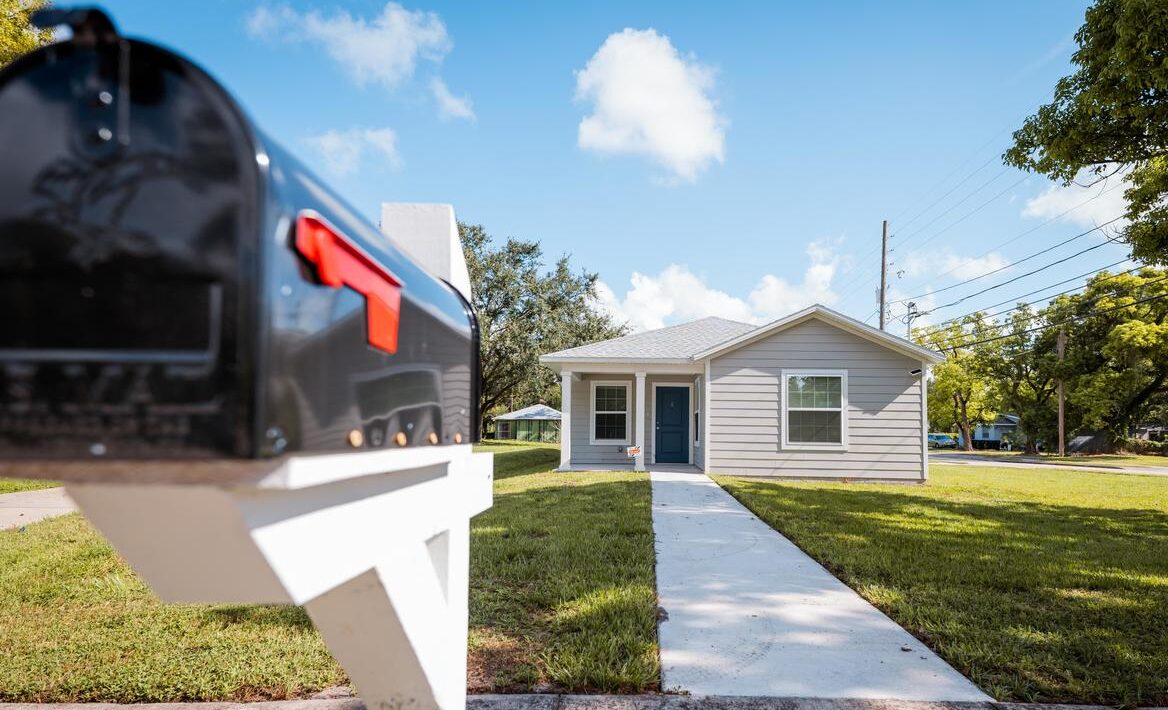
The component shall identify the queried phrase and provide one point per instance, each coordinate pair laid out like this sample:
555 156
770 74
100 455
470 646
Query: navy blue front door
672 436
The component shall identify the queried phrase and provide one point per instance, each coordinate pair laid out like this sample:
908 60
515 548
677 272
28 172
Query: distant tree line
1114 368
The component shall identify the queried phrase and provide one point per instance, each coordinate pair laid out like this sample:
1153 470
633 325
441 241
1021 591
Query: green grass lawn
562 586
1039 585
16 485
562 595
1103 460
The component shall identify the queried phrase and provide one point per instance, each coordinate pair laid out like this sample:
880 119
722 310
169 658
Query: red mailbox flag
340 263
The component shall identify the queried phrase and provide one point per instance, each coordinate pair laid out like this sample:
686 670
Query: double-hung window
815 409
610 413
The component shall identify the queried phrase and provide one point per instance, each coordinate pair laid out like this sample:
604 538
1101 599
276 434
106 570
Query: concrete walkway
17 509
751 614
584 702
975 460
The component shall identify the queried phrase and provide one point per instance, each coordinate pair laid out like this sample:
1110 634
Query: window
815 409
610 413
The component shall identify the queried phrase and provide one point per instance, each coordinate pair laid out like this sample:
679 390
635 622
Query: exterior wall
612 455
601 455
885 408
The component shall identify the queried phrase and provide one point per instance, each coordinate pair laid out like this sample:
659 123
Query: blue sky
703 158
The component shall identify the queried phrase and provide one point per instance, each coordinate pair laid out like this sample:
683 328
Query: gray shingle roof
674 342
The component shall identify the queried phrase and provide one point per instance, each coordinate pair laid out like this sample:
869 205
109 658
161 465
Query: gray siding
884 407
612 455
602 455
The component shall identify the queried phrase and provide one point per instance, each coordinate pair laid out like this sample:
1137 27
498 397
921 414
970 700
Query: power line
1072 319
955 205
1016 237
1018 298
1085 303
974 211
1019 261
1021 276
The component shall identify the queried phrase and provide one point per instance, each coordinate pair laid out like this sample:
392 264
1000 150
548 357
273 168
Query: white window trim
806 446
592 412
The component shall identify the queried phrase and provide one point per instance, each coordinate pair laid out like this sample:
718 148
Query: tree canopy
525 312
17 35
1111 115
1115 366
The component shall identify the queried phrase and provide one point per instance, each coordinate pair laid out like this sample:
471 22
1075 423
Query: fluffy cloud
677 294
647 99
343 152
384 50
449 105
1083 206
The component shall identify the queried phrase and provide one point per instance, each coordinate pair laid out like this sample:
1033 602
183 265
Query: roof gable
830 317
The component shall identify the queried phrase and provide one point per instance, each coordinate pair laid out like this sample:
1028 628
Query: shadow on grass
562 590
1035 601
519 459
290 617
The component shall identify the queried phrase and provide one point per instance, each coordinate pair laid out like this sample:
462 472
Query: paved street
975 460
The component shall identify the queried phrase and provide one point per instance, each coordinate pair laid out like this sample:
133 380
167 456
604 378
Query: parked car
942 441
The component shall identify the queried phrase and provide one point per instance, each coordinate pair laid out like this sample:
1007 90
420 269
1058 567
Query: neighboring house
538 422
814 395
1002 432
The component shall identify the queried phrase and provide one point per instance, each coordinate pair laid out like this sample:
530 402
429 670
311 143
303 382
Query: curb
589 702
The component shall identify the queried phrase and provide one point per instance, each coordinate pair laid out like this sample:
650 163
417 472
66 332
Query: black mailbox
174 285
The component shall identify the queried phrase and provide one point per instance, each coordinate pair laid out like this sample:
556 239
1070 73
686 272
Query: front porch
628 418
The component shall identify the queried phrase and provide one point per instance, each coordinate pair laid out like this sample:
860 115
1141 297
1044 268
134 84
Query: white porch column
639 463
565 419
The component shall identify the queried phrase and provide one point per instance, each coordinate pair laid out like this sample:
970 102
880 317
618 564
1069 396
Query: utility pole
883 271
1061 349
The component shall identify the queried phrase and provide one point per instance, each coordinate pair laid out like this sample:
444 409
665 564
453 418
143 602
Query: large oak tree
525 311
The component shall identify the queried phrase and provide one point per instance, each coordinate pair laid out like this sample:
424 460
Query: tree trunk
962 407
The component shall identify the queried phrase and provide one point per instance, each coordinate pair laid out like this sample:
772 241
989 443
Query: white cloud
343 152
449 105
647 99
677 295
384 50
1083 206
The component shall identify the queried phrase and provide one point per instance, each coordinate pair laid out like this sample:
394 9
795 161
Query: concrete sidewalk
975 460
750 614
587 702
17 509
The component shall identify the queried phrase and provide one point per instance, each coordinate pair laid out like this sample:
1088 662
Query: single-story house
996 434
538 422
814 395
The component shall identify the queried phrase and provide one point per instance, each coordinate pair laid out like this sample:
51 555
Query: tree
525 312
1112 115
1116 365
961 394
1019 361
17 35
